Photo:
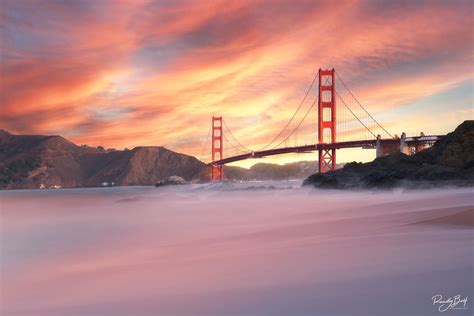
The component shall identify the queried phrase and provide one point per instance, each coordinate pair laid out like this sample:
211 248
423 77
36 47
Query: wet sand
227 250
463 216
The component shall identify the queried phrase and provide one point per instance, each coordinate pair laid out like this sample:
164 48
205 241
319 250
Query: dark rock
449 162
322 180
381 179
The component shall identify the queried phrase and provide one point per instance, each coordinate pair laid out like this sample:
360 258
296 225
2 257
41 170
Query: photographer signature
455 302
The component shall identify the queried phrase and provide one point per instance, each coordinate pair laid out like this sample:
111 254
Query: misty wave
228 248
251 185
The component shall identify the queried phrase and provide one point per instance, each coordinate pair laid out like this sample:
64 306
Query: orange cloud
128 73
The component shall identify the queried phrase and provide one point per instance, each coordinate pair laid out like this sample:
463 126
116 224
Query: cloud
129 73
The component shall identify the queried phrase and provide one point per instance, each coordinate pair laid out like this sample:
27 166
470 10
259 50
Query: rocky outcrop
450 162
32 161
148 165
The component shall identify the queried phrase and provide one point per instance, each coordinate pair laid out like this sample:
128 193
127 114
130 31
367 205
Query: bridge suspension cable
234 146
351 113
299 124
294 114
236 140
337 94
205 143
363 108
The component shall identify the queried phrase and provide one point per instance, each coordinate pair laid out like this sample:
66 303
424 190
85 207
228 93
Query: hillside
450 162
269 171
32 161
36 161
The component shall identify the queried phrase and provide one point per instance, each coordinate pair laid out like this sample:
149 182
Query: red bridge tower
217 171
327 118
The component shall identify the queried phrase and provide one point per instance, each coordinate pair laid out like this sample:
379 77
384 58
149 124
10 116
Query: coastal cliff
34 161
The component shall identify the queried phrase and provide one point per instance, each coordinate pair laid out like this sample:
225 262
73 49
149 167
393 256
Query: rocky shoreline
450 162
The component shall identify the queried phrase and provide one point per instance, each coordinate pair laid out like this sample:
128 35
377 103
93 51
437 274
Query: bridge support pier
404 148
422 146
385 149
217 171
378 147
327 160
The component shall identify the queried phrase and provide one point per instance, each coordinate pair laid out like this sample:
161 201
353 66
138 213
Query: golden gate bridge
342 122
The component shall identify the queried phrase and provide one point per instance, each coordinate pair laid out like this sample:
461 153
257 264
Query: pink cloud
164 69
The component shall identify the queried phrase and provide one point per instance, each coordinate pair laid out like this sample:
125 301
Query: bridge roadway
370 143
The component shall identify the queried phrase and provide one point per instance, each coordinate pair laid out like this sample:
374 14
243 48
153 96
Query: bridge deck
314 147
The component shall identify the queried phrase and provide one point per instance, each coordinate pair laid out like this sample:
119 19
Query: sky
132 73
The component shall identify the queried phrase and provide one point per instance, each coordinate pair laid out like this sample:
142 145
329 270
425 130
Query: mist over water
262 248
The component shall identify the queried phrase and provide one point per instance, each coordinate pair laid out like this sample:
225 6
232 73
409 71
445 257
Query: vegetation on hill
17 170
268 171
34 161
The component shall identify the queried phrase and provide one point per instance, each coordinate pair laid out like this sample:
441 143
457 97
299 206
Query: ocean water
262 248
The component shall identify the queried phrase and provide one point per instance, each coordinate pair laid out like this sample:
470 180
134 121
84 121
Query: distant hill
34 161
268 171
449 162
